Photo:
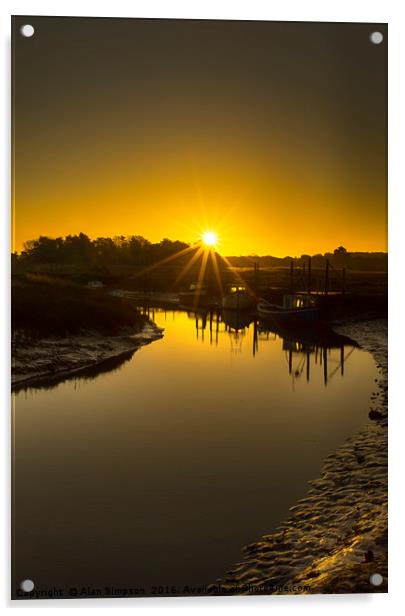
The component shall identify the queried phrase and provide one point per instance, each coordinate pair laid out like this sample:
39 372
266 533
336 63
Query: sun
209 238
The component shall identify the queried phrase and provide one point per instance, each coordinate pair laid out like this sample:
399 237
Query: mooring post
255 340
292 277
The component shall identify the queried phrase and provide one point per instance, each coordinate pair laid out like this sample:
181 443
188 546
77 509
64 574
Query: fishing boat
238 298
295 309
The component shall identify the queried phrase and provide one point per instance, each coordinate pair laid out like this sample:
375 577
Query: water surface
160 471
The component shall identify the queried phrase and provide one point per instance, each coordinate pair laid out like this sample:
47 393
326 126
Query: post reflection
305 349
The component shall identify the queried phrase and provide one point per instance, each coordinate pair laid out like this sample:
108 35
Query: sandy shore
336 536
54 357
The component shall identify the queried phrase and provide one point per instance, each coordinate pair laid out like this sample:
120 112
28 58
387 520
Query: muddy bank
336 536
59 357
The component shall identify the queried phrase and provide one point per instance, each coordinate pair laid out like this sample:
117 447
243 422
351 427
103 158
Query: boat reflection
303 344
306 348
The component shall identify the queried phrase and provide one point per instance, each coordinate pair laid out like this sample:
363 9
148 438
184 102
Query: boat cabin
297 301
237 298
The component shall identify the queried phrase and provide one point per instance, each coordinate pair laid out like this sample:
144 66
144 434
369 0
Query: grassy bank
44 305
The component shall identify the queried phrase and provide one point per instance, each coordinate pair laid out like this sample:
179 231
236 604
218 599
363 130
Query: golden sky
271 134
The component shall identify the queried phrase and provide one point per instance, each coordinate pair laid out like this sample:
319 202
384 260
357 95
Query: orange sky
271 134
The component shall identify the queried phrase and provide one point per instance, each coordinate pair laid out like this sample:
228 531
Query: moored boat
238 299
295 309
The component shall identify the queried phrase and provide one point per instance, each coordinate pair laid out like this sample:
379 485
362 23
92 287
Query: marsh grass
45 305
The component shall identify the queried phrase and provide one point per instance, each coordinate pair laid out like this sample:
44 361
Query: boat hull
238 301
299 315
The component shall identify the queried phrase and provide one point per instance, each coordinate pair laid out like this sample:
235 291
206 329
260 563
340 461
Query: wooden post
255 341
292 277
327 277
343 280
309 275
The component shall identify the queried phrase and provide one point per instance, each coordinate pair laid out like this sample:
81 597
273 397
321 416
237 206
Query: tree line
136 250
339 258
102 251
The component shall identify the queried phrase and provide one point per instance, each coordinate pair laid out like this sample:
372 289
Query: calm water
159 471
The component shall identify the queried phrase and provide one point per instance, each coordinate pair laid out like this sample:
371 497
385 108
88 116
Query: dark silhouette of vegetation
135 250
48 306
340 257
103 251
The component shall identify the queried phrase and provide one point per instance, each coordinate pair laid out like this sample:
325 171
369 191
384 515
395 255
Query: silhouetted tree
101 252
